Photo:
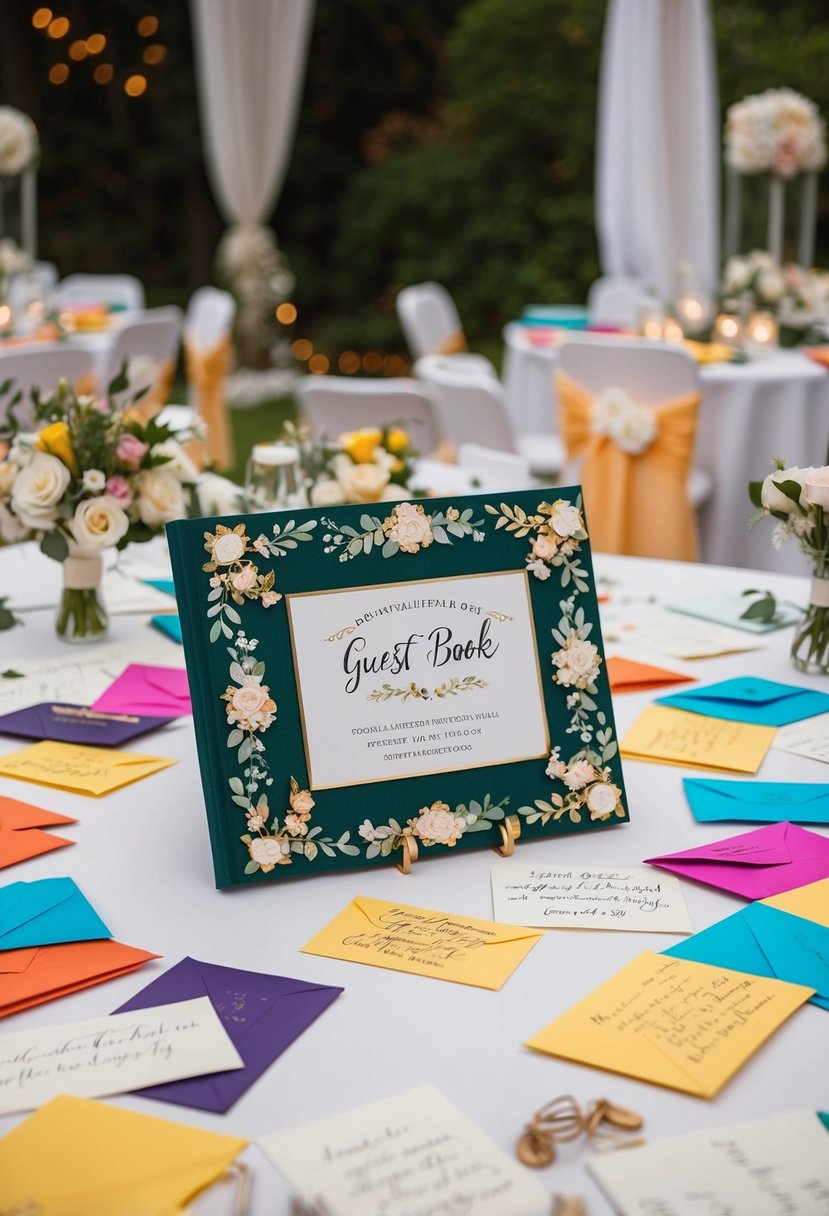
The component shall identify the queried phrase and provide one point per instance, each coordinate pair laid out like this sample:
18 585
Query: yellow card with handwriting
424 942
685 1025
83 770
674 736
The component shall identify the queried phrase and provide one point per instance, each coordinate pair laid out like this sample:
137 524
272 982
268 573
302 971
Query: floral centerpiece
778 131
363 466
799 500
18 141
89 477
798 297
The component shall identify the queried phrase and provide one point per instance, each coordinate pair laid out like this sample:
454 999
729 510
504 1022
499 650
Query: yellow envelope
688 1026
674 736
811 902
421 941
83 770
75 1155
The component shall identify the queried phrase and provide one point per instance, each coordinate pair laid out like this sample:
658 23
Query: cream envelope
674 736
83 770
630 1024
421 941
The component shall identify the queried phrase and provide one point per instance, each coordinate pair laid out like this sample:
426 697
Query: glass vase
810 648
81 615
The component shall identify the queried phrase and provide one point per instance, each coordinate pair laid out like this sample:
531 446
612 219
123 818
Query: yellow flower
360 445
55 440
397 441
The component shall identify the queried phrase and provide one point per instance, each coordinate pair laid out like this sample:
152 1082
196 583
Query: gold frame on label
424 583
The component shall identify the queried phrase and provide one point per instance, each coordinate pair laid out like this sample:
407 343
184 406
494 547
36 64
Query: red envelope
20 837
43 973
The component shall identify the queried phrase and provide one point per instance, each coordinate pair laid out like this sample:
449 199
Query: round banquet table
142 858
750 413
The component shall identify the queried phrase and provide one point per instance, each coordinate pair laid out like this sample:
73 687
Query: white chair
650 372
333 404
471 408
617 300
496 470
123 290
149 344
431 326
36 285
208 355
40 366
210 317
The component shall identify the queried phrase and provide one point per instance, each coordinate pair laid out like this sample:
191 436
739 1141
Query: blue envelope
757 801
170 624
765 941
751 699
162 584
47 913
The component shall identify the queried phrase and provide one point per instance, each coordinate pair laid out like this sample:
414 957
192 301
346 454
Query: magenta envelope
755 864
263 1014
160 692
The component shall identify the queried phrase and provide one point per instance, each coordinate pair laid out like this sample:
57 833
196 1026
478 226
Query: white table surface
142 857
750 413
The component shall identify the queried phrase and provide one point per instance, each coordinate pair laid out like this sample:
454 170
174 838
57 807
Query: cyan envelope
757 801
765 941
47 913
751 699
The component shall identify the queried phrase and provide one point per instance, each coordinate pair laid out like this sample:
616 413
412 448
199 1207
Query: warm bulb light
41 18
318 365
286 314
58 73
134 86
372 362
652 329
95 43
729 327
154 54
78 50
673 330
302 349
103 73
349 362
58 28
147 26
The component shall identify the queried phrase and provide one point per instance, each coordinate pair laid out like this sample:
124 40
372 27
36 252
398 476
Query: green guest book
385 683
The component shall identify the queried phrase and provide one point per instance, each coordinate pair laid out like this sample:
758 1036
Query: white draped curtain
658 142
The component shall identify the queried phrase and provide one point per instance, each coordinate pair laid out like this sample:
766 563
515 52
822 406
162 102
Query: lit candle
692 311
728 329
672 330
763 332
651 323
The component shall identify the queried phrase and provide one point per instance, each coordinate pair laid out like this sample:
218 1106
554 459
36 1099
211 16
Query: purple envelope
262 1014
755 864
66 723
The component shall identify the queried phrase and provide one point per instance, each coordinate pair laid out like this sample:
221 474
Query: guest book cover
391 681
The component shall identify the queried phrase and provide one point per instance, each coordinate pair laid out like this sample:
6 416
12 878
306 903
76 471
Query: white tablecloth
142 857
750 413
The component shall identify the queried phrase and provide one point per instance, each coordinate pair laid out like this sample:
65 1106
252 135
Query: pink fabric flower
119 488
269 598
130 451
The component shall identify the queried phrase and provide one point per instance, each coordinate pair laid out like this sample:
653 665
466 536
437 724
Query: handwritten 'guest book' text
383 683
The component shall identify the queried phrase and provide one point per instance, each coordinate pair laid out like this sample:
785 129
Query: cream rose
816 488
267 851
11 529
602 799
228 548
565 519
37 490
773 498
544 547
8 472
327 492
636 431
393 493
577 663
301 802
580 775
160 497
249 699
360 482
412 528
99 523
246 578
178 462
437 825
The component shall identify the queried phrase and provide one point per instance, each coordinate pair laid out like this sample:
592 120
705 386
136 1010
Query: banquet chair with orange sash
208 351
432 326
41 366
149 343
628 417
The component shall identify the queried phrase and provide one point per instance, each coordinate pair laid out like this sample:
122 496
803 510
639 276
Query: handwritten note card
423 942
673 736
680 637
588 897
690 1026
112 1055
83 770
769 1167
809 738
412 1154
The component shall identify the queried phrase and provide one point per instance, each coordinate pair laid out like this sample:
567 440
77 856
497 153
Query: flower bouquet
368 465
89 477
799 500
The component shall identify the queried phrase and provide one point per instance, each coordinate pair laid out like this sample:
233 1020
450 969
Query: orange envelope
43 973
625 675
20 837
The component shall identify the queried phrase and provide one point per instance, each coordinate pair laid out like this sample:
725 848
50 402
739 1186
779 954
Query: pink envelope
159 692
755 864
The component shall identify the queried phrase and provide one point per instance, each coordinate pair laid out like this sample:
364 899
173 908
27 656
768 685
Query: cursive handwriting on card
421 937
630 898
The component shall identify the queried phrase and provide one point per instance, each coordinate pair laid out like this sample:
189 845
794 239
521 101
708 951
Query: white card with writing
809 738
422 678
114 1054
679 637
415 1154
769 1167
631 898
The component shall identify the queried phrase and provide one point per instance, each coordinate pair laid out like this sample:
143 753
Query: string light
103 73
318 365
134 86
372 362
41 18
78 50
147 26
58 27
154 54
286 314
302 349
58 73
95 43
349 362
393 365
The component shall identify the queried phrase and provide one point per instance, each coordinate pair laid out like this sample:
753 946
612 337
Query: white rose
99 523
327 493
636 431
177 461
412 528
94 481
160 497
18 140
773 499
438 825
737 274
610 405
539 569
601 800
360 482
581 656
249 700
265 850
771 286
228 548
566 519
37 490
816 488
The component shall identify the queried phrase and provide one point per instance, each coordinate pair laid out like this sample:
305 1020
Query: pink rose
119 488
269 598
130 451
246 578
580 775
